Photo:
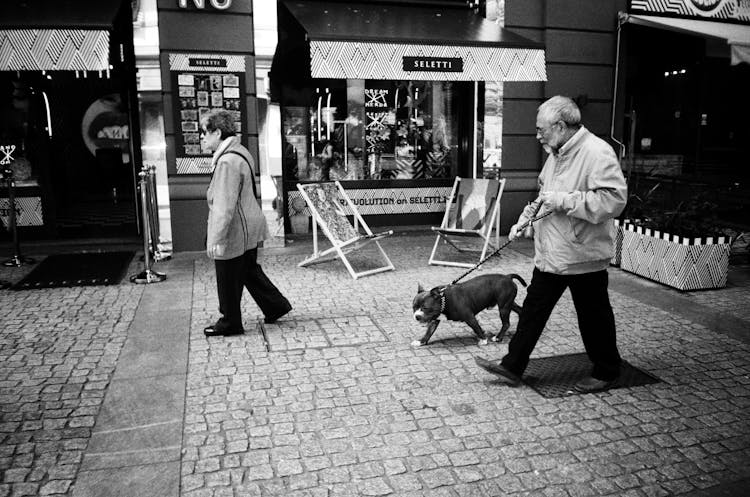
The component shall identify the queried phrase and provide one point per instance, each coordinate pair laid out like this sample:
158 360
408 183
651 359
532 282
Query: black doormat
85 269
555 376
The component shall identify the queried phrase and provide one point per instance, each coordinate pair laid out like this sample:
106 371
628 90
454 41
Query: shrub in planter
679 245
677 239
680 262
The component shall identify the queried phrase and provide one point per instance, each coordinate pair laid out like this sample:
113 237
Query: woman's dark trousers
231 276
596 320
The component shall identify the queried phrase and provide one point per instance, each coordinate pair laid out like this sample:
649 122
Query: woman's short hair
559 108
221 120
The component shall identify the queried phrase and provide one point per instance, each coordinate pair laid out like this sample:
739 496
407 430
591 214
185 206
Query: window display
377 130
198 93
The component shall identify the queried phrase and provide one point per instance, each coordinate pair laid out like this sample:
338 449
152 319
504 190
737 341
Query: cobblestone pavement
379 417
58 350
334 401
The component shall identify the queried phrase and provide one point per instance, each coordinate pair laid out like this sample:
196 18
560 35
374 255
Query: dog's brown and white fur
463 301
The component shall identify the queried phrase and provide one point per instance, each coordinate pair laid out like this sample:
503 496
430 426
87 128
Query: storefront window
493 130
493 106
22 120
368 129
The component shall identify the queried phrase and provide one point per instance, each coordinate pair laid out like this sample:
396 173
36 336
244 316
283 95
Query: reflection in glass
359 129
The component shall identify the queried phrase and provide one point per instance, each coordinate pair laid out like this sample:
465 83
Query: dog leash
493 254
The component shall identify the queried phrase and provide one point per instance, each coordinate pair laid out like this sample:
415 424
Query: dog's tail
516 277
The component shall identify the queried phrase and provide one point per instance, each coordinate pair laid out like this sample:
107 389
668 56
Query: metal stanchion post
147 275
156 251
17 260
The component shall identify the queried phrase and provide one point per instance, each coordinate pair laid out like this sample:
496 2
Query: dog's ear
420 289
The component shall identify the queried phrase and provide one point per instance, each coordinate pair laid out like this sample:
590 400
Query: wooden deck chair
472 212
326 201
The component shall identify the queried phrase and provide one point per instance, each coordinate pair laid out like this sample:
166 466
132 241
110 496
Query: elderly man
582 183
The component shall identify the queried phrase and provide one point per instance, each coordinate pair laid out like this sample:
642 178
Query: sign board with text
419 200
204 4
433 64
200 84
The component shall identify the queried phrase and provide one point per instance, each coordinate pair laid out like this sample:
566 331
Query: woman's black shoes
213 331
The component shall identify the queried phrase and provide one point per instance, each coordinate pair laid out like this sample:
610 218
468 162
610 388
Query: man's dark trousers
596 320
231 276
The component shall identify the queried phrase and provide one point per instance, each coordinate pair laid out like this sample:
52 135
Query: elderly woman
235 226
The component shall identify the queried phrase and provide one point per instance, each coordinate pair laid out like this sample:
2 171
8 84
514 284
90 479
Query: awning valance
736 35
377 41
56 34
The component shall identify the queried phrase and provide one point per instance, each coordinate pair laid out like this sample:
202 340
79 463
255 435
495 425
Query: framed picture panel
202 83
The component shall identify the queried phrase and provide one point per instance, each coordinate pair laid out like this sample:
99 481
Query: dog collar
442 299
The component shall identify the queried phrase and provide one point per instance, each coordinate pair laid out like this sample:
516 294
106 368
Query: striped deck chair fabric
472 212
330 206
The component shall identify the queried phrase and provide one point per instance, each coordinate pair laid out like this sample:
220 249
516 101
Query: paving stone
437 478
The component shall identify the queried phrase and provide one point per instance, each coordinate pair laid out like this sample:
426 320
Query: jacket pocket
577 229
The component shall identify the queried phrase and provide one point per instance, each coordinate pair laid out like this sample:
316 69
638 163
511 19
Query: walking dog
463 301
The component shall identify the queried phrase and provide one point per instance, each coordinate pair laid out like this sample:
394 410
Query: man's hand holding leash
525 229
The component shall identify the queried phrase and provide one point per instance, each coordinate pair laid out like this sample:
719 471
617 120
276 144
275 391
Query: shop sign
199 62
433 64
378 201
201 4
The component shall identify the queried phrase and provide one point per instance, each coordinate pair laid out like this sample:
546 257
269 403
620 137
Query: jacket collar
574 142
228 143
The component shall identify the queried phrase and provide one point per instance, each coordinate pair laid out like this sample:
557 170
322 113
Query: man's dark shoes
591 384
502 373
275 317
214 331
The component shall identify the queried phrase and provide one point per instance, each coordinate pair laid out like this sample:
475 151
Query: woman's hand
214 251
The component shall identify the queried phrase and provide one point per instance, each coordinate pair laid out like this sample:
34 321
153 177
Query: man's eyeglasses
203 132
544 130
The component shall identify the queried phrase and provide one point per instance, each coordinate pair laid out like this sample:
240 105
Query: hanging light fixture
328 116
49 115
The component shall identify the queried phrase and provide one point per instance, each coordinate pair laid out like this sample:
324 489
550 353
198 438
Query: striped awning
54 49
52 35
737 36
387 41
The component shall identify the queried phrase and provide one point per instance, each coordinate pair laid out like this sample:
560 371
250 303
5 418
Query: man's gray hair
559 108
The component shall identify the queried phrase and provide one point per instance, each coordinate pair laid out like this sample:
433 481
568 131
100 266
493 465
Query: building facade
393 99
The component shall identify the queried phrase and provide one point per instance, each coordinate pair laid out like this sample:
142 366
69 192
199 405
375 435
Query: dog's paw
416 343
483 341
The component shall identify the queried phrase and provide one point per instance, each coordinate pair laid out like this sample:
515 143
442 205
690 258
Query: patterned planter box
682 263
617 258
